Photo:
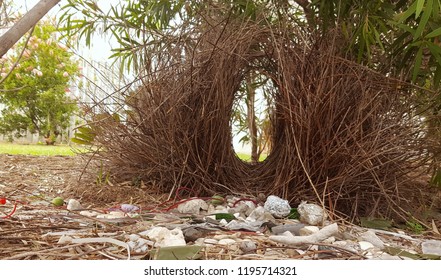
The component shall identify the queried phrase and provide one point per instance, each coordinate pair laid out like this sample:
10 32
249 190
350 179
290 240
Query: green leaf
177 253
86 136
424 19
436 82
80 141
375 223
415 226
395 251
419 8
403 16
226 216
217 200
435 50
418 61
293 214
406 28
434 33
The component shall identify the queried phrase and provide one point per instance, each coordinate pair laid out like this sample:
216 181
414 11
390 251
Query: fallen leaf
226 216
177 253
394 251
375 223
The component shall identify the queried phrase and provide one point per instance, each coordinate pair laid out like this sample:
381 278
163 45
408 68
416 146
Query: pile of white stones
256 229
245 230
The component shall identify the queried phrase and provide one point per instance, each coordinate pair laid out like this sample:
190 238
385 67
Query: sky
101 47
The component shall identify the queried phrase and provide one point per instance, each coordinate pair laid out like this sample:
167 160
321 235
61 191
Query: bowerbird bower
342 135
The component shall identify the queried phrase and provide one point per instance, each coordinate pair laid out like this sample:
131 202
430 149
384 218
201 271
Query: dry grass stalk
342 135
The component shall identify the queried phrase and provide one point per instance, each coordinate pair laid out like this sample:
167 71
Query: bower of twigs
342 135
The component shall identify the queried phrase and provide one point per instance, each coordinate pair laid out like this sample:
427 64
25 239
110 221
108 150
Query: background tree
35 91
398 37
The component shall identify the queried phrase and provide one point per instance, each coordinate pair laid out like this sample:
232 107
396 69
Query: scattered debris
74 205
311 214
193 206
293 228
164 237
58 201
129 208
277 207
308 230
288 238
260 214
218 227
364 245
431 247
248 247
371 237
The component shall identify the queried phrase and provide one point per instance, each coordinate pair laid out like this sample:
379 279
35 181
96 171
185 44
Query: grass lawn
36 150
62 150
247 157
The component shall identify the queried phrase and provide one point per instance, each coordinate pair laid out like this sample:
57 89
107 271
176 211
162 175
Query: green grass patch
36 150
247 157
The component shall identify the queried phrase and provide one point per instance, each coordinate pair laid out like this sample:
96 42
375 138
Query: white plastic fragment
193 206
293 228
364 245
74 205
324 233
223 222
372 238
432 247
111 215
64 232
65 239
89 213
227 241
260 214
240 225
311 214
385 256
308 230
210 241
278 207
400 235
127 208
139 244
243 208
103 240
329 240
164 237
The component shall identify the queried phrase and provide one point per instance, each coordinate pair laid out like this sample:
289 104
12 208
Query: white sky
101 47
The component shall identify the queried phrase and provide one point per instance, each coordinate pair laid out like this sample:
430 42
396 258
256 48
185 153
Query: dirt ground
31 227
29 183
21 174
75 177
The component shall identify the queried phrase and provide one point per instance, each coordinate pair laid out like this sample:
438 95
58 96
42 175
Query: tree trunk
20 28
251 117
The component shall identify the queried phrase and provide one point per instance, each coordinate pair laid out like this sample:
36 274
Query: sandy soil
21 174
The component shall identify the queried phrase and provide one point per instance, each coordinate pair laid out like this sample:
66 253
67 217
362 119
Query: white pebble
308 230
364 245
227 241
65 239
73 205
